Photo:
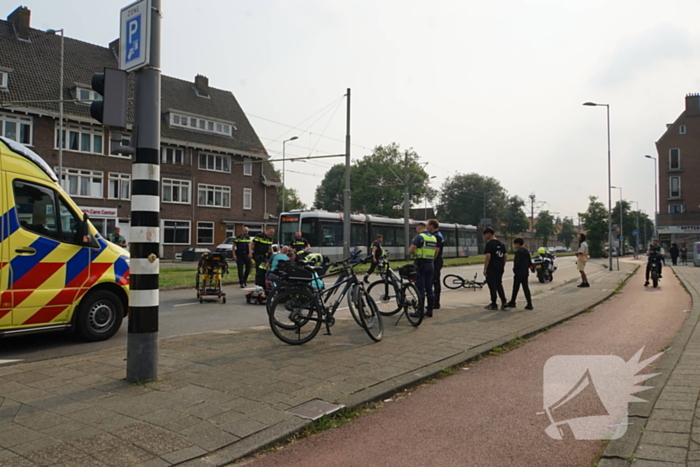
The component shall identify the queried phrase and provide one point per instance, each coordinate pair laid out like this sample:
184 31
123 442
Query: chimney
692 102
20 22
201 85
114 48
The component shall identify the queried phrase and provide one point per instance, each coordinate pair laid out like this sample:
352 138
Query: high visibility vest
242 242
299 244
261 246
427 251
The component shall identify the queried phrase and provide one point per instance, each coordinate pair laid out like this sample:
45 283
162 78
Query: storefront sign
99 212
679 229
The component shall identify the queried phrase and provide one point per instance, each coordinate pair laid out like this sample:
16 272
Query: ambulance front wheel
99 316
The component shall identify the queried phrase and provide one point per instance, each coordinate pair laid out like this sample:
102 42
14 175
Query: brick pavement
223 395
666 432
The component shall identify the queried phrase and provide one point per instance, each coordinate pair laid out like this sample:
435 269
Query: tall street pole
284 181
346 193
60 106
142 339
406 207
656 196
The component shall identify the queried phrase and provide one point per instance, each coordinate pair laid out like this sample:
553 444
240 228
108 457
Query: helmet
542 250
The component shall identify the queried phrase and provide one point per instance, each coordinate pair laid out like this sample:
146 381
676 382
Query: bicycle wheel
411 303
295 318
370 316
271 296
452 281
353 293
387 297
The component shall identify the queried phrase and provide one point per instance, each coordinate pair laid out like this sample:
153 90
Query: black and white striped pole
142 342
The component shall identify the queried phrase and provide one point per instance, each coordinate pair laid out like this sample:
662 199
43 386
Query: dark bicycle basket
293 272
409 271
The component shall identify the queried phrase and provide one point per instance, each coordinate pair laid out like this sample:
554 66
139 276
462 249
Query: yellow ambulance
56 271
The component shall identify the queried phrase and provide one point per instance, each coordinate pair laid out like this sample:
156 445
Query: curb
380 391
617 451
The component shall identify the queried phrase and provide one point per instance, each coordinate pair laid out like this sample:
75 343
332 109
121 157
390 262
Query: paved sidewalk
666 431
223 395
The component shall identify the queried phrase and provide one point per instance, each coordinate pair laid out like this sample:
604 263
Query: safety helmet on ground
542 250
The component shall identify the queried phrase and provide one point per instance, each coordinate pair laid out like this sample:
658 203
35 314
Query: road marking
186 304
3 362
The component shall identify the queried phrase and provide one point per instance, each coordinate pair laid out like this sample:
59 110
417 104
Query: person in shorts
581 259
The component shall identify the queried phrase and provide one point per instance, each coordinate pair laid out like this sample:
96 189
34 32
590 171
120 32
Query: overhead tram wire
326 108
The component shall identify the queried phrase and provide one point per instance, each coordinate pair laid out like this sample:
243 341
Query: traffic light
112 85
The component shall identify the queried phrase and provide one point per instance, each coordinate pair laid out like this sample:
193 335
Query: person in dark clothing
675 253
684 254
260 251
423 250
654 250
299 243
242 248
433 226
494 264
377 253
521 273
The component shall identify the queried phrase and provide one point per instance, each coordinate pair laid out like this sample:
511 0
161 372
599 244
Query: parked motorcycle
543 265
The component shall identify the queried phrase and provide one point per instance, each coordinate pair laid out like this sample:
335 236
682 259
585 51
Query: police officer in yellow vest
242 249
423 249
299 243
260 251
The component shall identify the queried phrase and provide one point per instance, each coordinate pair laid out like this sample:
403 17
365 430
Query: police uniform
241 244
299 244
437 265
262 248
424 255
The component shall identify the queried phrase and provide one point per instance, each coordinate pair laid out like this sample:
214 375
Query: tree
545 227
377 183
292 200
629 221
595 222
567 232
462 196
514 218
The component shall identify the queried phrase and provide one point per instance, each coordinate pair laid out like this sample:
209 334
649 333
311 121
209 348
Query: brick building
215 174
679 171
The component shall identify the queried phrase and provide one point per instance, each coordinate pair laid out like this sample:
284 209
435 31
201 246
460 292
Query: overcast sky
489 87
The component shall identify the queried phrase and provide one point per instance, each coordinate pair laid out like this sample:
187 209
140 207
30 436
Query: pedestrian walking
423 250
377 253
117 238
582 259
242 249
521 273
433 229
494 265
684 254
260 250
675 253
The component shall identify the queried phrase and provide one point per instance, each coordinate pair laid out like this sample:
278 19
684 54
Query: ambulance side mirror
84 231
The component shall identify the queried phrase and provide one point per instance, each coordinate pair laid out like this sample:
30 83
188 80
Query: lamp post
60 109
284 186
622 236
656 197
607 107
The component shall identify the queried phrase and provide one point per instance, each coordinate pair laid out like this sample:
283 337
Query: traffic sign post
135 35
635 233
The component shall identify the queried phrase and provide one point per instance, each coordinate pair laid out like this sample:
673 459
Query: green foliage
567 233
545 227
514 218
595 222
462 199
329 194
292 199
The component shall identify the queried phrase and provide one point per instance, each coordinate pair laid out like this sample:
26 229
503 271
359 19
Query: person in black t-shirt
377 253
242 249
494 264
299 243
521 272
433 226
260 250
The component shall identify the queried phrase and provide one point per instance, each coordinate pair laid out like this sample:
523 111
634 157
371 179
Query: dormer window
4 80
85 96
200 124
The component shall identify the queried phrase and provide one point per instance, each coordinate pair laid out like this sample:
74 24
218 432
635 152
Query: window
85 183
119 186
205 233
247 198
247 167
176 232
81 138
176 191
172 156
681 129
215 162
200 124
214 195
16 128
675 187
674 159
230 230
4 80
125 141
86 96
675 209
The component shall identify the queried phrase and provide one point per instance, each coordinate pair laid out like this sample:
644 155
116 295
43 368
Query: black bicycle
397 292
299 308
453 281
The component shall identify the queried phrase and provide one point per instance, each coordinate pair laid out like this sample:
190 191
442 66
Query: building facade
215 174
679 171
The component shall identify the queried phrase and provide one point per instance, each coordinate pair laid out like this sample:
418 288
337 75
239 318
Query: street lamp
607 107
622 236
284 186
60 109
656 197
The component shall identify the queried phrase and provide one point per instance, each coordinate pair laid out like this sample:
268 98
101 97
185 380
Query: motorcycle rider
654 250
546 255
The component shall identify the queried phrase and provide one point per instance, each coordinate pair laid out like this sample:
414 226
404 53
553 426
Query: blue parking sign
134 37
635 233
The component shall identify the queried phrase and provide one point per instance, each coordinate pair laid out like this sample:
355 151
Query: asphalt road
492 414
181 314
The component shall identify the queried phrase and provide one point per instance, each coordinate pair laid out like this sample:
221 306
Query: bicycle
392 294
298 310
453 282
